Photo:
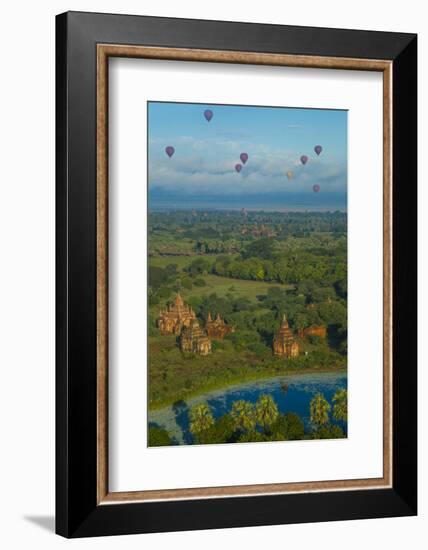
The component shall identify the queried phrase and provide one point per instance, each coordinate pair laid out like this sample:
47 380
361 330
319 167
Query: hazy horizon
304 210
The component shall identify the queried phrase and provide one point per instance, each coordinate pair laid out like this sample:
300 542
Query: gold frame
104 51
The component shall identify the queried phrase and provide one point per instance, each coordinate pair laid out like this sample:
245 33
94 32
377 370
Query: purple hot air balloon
208 114
169 150
243 157
316 188
238 167
303 159
318 149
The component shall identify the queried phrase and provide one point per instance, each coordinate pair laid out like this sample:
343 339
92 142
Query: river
292 393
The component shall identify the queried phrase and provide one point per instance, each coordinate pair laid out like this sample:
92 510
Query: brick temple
320 331
284 342
193 339
175 317
217 328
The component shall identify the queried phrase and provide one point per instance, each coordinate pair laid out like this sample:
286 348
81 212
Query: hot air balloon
290 174
316 188
318 149
303 159
243 157
238 167
208 114
169 150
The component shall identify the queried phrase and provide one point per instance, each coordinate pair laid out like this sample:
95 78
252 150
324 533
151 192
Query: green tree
222 431
288 427
159 437
252 436
263 249
242 413
340 405
164 292
201 419
199 266
319 409
266 411
328 431
157 277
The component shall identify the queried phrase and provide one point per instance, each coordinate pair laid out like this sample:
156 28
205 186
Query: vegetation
340 407
262 421
174 375
319 408
243 415
266 412
201 419
159 437
251 268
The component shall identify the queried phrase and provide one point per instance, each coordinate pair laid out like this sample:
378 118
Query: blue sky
201 172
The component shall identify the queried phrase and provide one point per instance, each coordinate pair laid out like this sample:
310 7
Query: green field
214 283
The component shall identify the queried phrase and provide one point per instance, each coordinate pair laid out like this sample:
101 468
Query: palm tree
242 413
340 407
266 411
201 418
319 409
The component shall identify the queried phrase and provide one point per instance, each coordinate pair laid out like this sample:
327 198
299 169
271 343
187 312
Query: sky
201 172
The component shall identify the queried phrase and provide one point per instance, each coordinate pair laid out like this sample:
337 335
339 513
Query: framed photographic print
236 274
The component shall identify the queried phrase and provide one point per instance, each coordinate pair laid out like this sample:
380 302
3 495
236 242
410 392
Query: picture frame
84 44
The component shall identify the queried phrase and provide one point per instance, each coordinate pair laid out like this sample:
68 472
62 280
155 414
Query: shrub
153 331
314 340
217 346
159 437
259 349
252 436
222 431
164 292
186 283
153 300
288 426
328 431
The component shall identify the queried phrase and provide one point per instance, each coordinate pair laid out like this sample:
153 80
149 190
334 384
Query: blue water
292 393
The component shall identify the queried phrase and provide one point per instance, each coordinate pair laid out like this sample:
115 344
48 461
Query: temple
284 343
175 317
217 328
194 339
320 331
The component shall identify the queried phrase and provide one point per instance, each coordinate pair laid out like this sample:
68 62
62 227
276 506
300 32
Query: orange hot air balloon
290 175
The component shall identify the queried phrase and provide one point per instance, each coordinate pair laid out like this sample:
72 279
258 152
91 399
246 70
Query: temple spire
178 300
176 315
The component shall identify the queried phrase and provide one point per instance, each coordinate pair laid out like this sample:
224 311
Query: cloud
206 167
